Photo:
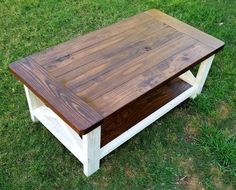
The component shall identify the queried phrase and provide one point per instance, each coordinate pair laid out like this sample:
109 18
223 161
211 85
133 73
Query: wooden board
91 77
128 116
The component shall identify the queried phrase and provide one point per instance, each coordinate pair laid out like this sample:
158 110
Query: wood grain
79 115
94 55
159 74
186 29
102 84
129 115
64 50
121 60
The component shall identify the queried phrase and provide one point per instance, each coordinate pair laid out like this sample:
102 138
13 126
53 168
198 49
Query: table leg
87 149
91 151
33 102
202 75
198 81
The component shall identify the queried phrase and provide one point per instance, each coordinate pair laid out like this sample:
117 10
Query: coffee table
95 92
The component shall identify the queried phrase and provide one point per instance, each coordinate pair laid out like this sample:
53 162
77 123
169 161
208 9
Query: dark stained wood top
89 78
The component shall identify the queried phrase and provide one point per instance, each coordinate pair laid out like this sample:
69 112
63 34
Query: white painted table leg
91 151
202 75
33 102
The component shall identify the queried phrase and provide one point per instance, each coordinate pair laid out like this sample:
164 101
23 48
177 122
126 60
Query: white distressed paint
64 133
91 147
202 74
188 77
33 102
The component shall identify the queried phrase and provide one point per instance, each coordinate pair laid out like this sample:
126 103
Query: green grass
192 147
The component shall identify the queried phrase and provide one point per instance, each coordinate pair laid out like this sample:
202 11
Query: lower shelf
125 118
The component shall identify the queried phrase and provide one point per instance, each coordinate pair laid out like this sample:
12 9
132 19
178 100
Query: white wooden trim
200 79
188 77
64 133
33 102
91 147
86 150
145 122
202 74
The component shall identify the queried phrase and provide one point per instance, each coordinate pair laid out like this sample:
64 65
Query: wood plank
68 68
74 111
64 50
118 57
128 116
154 77
204 38
102 84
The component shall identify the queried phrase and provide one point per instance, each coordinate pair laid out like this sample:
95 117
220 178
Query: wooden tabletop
90 77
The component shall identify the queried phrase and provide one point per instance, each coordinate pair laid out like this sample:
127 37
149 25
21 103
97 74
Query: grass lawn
192 147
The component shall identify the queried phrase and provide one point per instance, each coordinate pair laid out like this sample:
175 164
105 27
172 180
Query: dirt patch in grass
229 187
172 138
217 179
129 172
194 183
189 181
104 182
215 171
187 165
224 110
190 132
108 167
